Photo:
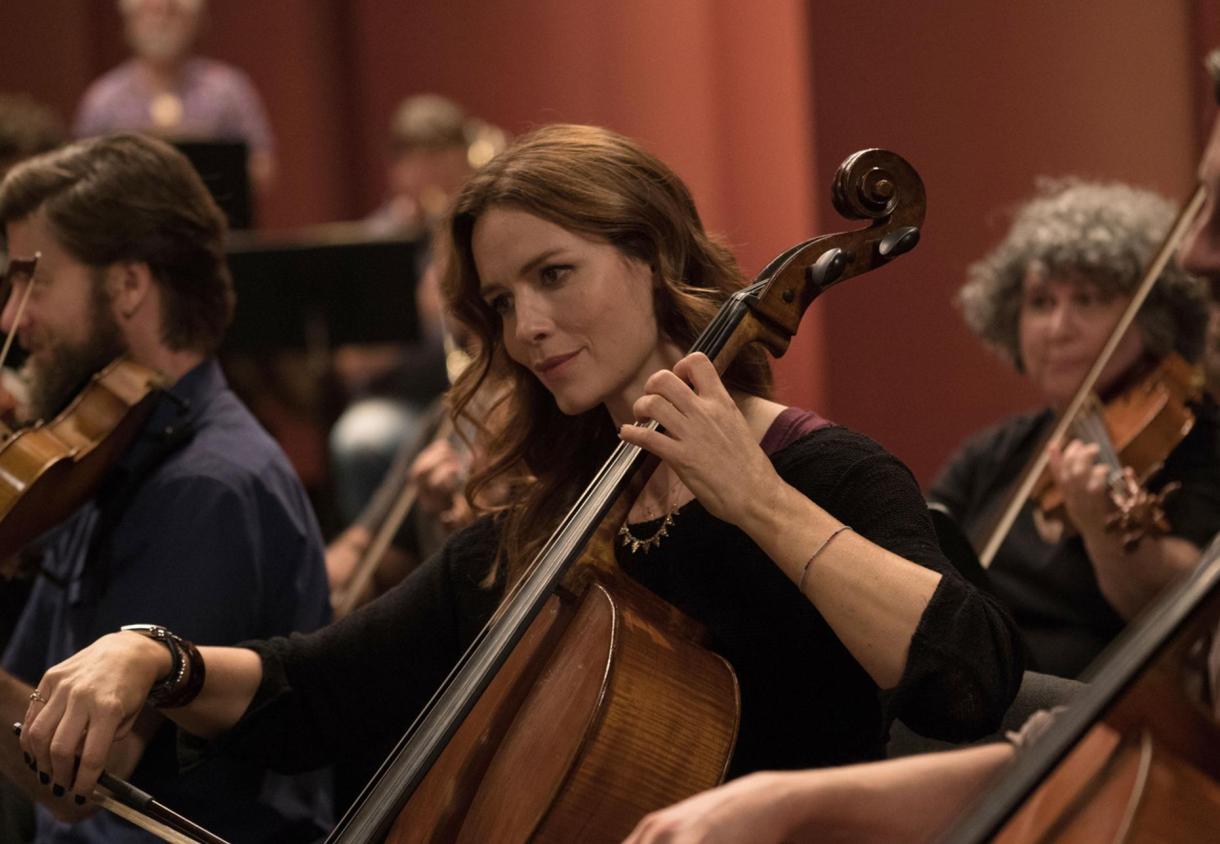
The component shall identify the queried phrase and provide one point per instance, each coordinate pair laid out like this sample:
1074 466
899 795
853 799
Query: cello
1136 758
583 677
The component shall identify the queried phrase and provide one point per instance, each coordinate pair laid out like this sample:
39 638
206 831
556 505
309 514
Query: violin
582 678
1137 514
1135 429
49 469
368 567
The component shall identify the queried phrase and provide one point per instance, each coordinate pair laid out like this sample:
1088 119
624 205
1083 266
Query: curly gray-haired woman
1046 299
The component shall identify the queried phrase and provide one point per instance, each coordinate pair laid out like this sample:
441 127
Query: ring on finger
37 697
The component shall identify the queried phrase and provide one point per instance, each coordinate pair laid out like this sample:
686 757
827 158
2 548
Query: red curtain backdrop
754 104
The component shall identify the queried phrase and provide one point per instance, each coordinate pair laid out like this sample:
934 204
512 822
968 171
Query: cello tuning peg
827 269
898 242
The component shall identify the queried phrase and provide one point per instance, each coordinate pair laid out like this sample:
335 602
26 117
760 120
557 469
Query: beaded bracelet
187 672
800 584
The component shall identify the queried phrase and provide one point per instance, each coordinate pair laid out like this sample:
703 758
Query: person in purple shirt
165 90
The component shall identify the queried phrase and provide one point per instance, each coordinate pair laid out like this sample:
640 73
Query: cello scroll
873 184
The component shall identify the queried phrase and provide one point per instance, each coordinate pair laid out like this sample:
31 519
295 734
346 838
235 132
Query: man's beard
62 370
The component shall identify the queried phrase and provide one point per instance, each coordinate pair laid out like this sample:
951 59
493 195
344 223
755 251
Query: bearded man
202 525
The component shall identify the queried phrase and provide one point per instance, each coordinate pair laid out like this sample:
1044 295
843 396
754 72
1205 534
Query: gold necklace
648 543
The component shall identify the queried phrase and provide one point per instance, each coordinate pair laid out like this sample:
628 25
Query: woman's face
1063 324
576 312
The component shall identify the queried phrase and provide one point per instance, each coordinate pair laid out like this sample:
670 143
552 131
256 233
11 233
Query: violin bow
370 560
353 595
27 266
139 808
1187 216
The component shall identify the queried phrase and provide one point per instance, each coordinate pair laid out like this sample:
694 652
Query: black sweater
351 689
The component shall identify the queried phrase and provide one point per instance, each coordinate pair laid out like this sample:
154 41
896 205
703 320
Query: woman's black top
350 690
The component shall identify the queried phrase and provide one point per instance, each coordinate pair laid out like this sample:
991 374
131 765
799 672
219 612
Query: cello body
1136 758
602 714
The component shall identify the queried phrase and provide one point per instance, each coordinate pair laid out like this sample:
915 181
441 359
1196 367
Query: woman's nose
1062 320
533 317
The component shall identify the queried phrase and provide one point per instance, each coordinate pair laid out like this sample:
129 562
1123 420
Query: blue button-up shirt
212 537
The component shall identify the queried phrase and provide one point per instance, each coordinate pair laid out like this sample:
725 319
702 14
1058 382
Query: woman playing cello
580 263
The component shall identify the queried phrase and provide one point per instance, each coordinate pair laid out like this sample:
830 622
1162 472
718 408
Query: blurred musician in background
201 519
26 128
166 90
435 146
1047 298
1201 252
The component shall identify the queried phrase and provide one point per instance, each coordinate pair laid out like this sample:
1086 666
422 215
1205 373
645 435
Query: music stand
322 289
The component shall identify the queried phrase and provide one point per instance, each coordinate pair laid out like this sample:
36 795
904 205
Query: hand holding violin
1082 479
1128 573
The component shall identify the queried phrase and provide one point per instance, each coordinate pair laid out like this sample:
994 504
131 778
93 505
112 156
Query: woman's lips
549 365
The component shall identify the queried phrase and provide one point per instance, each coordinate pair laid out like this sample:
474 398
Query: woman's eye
552 274
1089 299
501 303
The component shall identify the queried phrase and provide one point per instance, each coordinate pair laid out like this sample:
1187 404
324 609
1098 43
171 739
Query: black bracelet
185 679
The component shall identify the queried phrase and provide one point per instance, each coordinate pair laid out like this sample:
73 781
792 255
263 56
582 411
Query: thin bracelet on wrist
800 583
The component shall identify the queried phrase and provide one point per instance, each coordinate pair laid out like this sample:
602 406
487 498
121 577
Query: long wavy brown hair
600 185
